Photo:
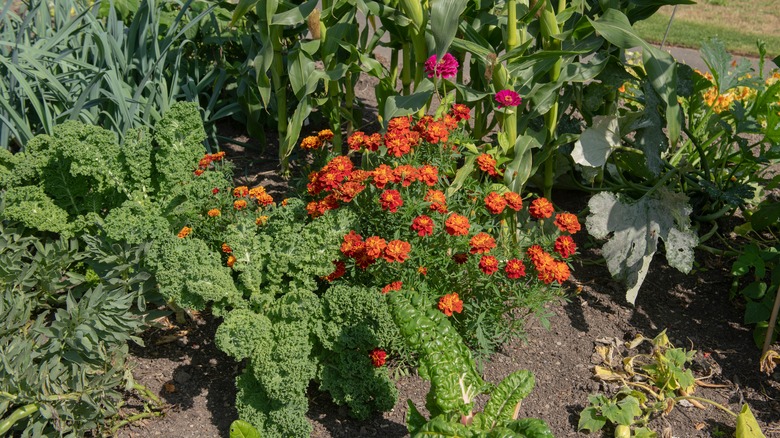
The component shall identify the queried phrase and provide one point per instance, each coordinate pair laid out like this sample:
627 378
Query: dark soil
182 365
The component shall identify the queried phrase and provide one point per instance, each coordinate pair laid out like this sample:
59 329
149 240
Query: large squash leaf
634 228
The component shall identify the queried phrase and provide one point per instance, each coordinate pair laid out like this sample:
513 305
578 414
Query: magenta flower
507 98
446 68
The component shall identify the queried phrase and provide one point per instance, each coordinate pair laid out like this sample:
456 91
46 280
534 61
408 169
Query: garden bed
182 364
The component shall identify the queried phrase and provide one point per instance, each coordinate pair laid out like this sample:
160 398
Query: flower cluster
208 161
367 252
317 141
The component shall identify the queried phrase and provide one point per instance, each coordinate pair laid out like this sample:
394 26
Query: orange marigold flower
348 191
450 303
265 200
482 243
218 156
226 248
487 164
422 270
325 135
285 202
544 262
457 225
460 112
184 232
495 203
311 142
374 246
356 140
488 264
352 243
383 175
239 204
513 201
396 285
567 222
261 220
241 191
423 225
399 123
560 271
428 174
540 208
565 246
534 253
436 133
341 269
378 357
373 141
405 174
360 175
204 162
215 190
398 143
391 200
397 251
460 257
198 172
546 276
514 269
231 260
437 199
214 212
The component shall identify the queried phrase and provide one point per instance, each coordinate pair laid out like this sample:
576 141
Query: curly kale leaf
137 159
272 419
192 275
30 206
242 332
18 169
355 321
179 136
80 168
136 222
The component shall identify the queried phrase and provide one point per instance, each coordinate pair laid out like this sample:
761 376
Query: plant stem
334 102
136 417
280 91
406 73
17 415
772 323
706 400
511 31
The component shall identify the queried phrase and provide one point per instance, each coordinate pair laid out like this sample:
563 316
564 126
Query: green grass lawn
738 23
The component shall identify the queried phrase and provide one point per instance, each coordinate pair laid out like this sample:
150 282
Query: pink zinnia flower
446 68
507 98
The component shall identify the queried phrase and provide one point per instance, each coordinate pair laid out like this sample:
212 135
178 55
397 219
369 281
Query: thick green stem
550 28
334 101
394 66
350 101
17 415
511 29
706 400
280 91
406 73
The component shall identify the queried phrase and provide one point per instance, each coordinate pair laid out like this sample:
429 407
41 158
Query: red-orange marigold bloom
360 175
422 270
383 175
239 204
488 264
514 269
205 162
357 140
241 191
546 276
390 200
450 303
338 272
460 112
534 252
450 122
348 191
184 232
397 251
398 143
215 190
565 246
231 260
560 271
198 172
311 142
457 225
325 135
487 164
437 199
265 200
312 210
567 222
436 132
405 174
399 123
396 285
544 262
373 141
218 156
423 225
378 357
374 246
460 257
482 243
428 174
540 208
352 243
261 220
214 212
513 201
226 248
495 203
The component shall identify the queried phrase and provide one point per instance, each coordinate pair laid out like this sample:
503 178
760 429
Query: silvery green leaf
597 142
